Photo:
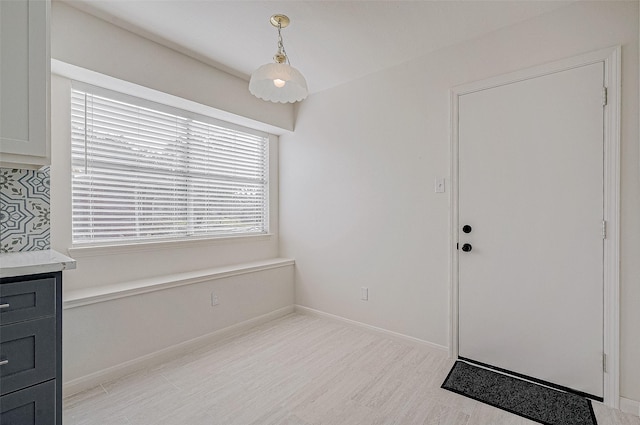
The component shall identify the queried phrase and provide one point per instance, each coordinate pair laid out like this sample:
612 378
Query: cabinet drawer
27 300
32 406
27 353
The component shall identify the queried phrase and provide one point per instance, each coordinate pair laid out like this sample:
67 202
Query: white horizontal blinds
140 173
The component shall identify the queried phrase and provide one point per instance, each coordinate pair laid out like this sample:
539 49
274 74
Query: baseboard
112 373
630 406
395 335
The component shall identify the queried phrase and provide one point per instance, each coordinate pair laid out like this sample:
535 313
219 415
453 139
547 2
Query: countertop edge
34 262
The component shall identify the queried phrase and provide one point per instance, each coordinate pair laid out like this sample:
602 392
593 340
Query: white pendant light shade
278 82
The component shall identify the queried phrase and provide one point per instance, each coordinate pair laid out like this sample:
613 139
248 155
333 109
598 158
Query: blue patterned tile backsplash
24 210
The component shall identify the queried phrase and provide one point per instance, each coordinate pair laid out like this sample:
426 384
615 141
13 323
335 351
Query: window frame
106 246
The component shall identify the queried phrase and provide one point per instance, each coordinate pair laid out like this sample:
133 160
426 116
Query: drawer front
32 406
27 354
29 299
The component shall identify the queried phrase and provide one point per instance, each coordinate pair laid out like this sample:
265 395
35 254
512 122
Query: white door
531 188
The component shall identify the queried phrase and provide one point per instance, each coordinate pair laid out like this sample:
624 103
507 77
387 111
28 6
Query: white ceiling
330 42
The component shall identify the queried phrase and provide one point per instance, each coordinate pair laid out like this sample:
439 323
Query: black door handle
467 247
466 228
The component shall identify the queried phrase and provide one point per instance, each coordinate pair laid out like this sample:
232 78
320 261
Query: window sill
98 294
81 251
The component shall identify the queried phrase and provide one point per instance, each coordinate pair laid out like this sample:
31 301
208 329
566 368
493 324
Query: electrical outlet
214 299
364 293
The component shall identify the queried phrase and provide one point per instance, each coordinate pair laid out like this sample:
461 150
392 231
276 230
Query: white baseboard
153 359
630 406
401 337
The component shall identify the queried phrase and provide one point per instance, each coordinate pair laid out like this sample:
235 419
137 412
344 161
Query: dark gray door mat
532 401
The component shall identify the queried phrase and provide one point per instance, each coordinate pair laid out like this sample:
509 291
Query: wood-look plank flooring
297 370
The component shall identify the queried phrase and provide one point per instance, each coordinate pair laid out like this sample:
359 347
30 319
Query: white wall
357 201
107 334
83 40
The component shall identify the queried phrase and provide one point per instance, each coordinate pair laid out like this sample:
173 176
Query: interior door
531 191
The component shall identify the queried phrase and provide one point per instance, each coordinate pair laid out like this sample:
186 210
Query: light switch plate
440 185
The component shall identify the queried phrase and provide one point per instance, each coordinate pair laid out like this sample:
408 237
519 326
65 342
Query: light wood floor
298 370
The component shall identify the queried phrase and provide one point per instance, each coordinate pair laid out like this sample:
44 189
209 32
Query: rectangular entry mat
532 401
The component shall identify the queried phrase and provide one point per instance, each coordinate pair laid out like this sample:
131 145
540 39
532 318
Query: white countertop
34 262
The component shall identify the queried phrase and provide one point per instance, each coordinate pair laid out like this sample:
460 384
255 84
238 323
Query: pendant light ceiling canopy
279 81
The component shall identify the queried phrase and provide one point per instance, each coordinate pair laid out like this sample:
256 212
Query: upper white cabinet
24 84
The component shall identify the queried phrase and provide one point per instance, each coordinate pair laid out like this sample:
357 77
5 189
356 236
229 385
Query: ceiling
330 42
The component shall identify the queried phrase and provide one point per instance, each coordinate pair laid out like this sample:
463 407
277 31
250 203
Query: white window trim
93 78
97 250
80 75
163 106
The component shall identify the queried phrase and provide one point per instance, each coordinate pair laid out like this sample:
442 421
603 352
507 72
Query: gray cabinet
24 83
31 350
31 406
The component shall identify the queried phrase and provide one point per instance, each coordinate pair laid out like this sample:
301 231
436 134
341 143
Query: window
143 171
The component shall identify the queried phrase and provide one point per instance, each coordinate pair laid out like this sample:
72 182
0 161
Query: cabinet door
26 300
24 80
27 353
31 406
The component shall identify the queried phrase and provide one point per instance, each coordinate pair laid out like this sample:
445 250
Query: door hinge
604 362
604 229
604 96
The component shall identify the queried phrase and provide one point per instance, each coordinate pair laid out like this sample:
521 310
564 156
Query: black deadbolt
466 228
466 247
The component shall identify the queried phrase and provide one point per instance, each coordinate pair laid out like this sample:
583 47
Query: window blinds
142 174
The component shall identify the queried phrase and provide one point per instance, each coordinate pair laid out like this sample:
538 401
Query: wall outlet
364 293
214 299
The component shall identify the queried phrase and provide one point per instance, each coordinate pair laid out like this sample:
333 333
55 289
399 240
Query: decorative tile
24 210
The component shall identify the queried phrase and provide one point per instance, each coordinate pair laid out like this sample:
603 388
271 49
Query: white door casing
498 187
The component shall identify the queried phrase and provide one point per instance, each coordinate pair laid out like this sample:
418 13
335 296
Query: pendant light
279 81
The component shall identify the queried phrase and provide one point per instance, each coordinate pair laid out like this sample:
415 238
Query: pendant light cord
281 48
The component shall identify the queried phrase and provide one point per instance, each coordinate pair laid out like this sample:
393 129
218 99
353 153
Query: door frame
612 81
